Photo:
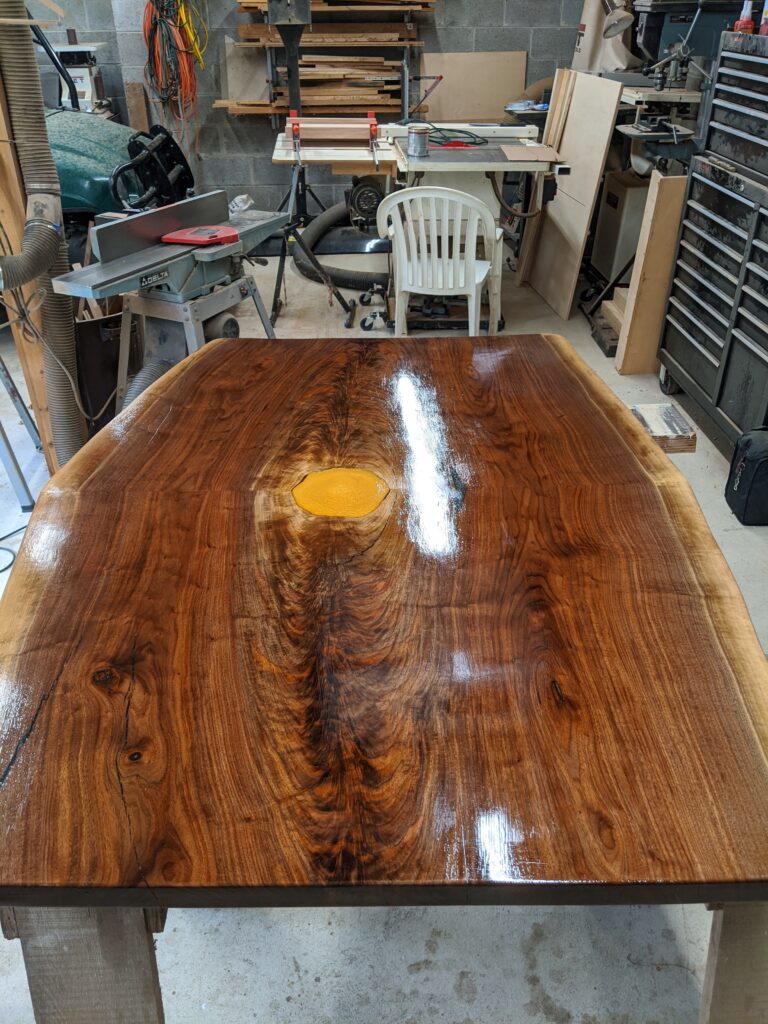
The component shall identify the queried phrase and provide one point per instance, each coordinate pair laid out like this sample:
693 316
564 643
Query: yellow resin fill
340 493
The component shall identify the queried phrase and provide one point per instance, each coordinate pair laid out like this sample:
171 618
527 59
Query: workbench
463 169
501 662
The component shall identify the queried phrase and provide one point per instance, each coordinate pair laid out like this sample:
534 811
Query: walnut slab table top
525 675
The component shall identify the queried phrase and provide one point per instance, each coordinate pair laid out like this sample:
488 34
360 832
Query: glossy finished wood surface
527 671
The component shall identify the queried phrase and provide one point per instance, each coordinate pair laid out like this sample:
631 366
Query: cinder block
532 12
554 43
469 13
447 39
517 37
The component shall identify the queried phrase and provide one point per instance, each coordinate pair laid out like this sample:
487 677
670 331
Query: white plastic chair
434 234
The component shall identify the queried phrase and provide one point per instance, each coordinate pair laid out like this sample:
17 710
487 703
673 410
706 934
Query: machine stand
192 315
289 232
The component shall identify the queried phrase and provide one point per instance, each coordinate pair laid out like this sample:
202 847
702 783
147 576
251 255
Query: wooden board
651 275
13 218
611 312
586 135
334 6
667 426
90 966
476 86
528 675
559 103
326 34
546 154
736 980
136 104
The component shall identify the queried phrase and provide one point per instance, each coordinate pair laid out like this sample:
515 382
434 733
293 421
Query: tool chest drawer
738 114
715 338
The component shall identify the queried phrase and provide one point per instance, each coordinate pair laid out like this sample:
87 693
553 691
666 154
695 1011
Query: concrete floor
569 965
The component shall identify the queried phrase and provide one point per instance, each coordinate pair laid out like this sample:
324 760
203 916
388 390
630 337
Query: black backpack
747 489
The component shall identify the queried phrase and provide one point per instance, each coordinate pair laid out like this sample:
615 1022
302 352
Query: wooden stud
13 217
90 966
736 979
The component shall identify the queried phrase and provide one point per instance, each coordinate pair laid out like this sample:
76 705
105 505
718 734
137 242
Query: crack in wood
21 743
119 771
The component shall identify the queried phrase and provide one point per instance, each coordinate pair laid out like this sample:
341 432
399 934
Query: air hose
44 249
355 280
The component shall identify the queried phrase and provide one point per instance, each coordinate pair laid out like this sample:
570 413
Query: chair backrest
434 235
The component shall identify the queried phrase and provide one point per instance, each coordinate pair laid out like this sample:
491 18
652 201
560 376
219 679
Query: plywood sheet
651 274
245 73
524 154
476 86
565 221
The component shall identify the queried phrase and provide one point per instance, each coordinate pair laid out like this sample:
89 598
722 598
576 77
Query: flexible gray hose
151 371
356 280
21 80
39 246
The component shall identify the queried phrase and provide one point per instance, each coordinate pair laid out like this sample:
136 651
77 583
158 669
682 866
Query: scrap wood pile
335 83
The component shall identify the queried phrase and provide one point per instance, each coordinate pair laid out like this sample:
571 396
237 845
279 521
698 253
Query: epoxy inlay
340 493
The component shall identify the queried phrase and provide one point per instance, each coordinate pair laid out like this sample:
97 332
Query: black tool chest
715 338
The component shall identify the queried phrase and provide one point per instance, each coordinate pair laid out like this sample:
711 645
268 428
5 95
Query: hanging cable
176 37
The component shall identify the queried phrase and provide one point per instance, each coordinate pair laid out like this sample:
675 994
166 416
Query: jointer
178 290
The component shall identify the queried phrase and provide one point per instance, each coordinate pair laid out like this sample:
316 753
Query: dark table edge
382 895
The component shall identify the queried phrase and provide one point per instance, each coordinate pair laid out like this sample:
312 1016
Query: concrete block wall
234 152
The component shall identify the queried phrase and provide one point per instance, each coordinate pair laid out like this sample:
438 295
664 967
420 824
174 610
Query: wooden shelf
335 83
261 108
336 6
349 35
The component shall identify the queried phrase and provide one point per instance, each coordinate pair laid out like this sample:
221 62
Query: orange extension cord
176 37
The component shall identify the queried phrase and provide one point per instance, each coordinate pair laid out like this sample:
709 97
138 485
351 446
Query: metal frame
15 475
20 405
191 315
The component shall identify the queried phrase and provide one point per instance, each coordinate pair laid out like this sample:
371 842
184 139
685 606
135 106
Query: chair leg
401 313
474 300
494 294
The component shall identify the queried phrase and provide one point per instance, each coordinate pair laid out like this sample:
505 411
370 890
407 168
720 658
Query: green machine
105 167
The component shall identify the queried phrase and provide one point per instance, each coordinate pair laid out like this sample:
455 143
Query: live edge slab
515 669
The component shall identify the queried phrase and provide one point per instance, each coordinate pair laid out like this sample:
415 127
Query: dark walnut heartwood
526 676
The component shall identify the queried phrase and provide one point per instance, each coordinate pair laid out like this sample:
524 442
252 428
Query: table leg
89 966
736 979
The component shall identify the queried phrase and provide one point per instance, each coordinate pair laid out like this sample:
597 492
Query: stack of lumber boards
327 35
370 82
344 5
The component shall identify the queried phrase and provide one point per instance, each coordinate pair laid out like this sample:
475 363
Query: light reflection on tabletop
431 485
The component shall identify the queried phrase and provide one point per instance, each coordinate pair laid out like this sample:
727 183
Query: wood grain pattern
527 676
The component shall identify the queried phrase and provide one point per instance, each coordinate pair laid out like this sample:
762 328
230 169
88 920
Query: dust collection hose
150 372
21 80
355 280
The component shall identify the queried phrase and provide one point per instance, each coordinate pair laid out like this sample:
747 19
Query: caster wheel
366 299
667 383
366 324
588 294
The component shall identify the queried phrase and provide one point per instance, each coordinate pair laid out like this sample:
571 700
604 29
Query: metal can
418 140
